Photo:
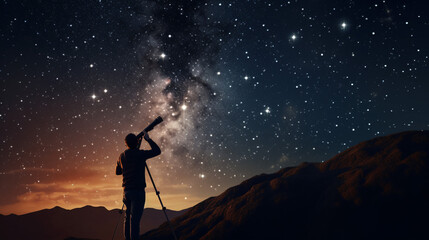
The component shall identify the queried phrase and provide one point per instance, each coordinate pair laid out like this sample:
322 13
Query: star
163 55
268 110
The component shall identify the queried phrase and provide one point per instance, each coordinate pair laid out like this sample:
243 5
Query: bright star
267 110
293 37
343 25
162 55
184 107
93 96
105 90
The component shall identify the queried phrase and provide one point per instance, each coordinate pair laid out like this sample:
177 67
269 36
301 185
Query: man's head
131 140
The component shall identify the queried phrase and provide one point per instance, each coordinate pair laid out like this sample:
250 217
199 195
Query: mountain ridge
365 192
83 207
87 222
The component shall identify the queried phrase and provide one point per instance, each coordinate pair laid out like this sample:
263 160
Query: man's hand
146 136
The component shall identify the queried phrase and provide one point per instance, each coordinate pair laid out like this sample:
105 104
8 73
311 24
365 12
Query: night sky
244 87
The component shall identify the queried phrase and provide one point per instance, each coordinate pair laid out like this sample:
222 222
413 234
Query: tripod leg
160 201
122 209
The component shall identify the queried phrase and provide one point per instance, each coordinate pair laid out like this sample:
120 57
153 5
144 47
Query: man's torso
133 169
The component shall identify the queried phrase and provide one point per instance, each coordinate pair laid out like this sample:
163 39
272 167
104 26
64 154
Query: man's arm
155 150
119 167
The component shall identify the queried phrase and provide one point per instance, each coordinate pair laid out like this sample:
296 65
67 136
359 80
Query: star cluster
244 87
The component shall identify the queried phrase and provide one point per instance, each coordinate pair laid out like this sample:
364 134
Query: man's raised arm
155 150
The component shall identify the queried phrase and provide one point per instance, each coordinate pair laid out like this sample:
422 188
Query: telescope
155 122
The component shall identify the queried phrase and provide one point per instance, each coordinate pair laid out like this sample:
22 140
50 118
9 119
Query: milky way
244 87
177 53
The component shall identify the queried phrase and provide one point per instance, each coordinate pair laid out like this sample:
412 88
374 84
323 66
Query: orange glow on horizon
97 188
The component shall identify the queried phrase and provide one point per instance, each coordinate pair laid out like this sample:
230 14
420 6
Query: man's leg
137 207
127 221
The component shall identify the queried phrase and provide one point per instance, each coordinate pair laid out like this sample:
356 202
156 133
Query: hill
378 189
80 223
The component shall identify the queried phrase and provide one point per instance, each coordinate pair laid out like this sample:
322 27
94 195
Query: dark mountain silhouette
80 223
378 189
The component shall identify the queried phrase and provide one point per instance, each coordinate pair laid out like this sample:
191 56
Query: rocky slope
378 189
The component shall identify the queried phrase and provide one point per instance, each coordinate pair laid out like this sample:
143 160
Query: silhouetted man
131 165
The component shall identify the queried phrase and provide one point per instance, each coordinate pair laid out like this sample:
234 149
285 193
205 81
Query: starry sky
244 88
